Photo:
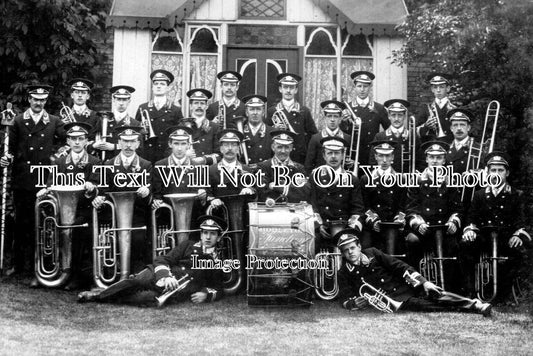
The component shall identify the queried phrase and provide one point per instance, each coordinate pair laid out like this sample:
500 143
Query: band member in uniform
501 207
428 129
121 98
165 273
335 193
161 113
371 113
230 141
233 107
298 116
180 142
32 140
332 110
78 162
80 94
205 132
398 132
395 279
383 203
432 202
256 132
282 145
129 162
460 120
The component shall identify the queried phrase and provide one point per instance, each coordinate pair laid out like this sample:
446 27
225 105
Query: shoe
34 283
483 308
89 296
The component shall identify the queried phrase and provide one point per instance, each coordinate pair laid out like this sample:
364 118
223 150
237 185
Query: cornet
66 113
280 120
182 283
146 123
435 114
378 299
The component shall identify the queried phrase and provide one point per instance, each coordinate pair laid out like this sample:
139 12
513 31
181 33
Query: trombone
66 113
409 153
356 126
146 123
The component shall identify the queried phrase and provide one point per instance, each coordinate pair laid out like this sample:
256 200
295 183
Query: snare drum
281 241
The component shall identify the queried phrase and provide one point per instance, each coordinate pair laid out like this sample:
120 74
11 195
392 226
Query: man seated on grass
206 285
395 278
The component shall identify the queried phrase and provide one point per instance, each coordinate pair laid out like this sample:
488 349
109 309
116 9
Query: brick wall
101 99
418 92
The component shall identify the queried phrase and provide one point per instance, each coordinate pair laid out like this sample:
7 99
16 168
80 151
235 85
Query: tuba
356 129
240 127
431 266
378 299
54 218
146 123
326 281
106 265
486 272
179 214
232 247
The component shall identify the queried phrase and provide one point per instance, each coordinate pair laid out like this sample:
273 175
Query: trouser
24 241
370 238
446 301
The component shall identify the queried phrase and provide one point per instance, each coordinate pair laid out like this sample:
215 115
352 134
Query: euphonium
146 123
179 212
280 120
105 254
326 280
486 278
378 299
240 128
53 250
66 113
356 126
182 283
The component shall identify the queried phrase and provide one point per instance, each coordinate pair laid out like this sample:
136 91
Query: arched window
204 47
167 53
357 54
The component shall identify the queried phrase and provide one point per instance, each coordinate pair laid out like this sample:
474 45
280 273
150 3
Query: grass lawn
51 322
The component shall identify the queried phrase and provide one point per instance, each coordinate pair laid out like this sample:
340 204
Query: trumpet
182 283
378 299
53 251
146 123
66 113
222 115
433 112
356 126
280 120
240 127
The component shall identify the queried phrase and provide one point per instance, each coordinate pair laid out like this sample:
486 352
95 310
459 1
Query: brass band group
161 201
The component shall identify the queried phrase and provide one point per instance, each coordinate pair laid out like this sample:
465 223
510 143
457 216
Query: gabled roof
378 16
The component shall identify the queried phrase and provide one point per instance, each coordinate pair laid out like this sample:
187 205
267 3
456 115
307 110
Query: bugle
326 280
378 299
66 113
146 123
431 266
280 120
240 128
434 113
182 283
54 219
179 214
486 272
106 265
8 117
356 128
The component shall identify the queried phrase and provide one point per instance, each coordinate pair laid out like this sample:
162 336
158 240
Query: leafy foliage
50 42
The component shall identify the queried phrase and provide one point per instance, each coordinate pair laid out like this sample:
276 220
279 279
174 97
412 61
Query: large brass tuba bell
106 266
486 277
179 222
54 218
326 281
431 266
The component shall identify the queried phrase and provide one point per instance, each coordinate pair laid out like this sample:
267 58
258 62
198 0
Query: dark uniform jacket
112 138
205 138
433 205
33 144
428 134
373 116
402 145
169 115
236 109
335 202
386 202
179 262
458 158
258 146
506 211
294 194
382 272
89 117
302 122
216 191
314 157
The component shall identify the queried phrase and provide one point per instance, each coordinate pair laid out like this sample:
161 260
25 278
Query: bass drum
281 247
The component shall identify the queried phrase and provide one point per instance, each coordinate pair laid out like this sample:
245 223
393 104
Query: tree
49 42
